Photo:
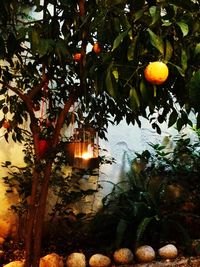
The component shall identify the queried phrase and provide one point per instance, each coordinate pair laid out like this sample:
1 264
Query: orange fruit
77 57
96 48
6 124
156 72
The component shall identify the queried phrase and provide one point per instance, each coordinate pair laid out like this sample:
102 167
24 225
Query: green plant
158 198
37 43
65 185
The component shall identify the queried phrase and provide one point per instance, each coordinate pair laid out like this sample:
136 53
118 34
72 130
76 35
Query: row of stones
121 256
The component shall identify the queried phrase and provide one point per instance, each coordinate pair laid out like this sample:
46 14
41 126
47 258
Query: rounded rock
51 260
76 259
123 256
145 254
99 260
168 252
15 264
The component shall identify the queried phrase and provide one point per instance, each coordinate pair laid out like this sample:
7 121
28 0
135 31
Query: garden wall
121 139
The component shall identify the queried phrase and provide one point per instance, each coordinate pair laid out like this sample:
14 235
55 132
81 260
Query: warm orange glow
87 155
84 151
85 148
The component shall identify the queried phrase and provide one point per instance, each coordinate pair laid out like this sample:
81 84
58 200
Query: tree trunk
40 215
39 192
31 220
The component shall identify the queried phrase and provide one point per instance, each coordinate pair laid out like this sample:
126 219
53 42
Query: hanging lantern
85 148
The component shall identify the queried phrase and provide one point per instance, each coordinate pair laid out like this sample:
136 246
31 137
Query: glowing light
87 155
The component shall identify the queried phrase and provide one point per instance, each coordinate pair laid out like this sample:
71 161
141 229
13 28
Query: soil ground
179 262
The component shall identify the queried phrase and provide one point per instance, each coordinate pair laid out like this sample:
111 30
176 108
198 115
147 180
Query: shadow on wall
128 139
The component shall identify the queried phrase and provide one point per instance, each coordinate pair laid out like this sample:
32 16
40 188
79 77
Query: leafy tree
37 42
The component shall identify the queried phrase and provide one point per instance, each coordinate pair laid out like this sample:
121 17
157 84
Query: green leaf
197 49
145 92
2 48
194 90
118 40
198 121
6 137
115 2
64 2
135 103
179 69
116 74
35 39
142 228
168 51
179 124
156 127
184 60
172 118
156 41
155 14
5 110
111 84
189 5
61 49
2 101
167 23
11 44
39 8
45 47
184 27
138 15
131 48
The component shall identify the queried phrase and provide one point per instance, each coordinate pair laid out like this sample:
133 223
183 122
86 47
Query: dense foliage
49 70
157 201
38 41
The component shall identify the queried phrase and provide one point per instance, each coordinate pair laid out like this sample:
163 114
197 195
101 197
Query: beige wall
8 152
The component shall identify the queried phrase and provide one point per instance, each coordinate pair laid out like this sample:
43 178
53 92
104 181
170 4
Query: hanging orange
77 57
96 48
156 72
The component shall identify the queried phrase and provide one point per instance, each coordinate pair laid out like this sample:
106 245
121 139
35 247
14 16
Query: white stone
123 256
76 259
145 253
99 260
51 260
15 264
168 252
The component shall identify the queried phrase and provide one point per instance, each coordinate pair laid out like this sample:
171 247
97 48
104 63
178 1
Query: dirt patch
179 262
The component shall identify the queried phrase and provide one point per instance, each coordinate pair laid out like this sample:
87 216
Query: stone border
183 262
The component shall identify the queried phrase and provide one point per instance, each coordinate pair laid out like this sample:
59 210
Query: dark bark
40 215
39 194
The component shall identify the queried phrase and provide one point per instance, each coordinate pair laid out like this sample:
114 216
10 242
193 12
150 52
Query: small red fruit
43 147
96 48
6 124
77 57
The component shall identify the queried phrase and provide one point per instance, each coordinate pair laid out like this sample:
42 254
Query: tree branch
17 91
27 100
72 99
37 89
